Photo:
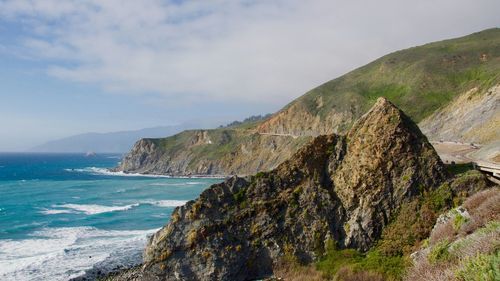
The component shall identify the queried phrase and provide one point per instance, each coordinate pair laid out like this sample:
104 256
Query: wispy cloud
231 50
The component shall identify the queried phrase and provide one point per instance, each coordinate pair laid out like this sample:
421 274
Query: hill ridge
421 81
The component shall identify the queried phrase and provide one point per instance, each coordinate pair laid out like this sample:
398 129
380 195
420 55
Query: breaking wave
94 209
107 172
67 252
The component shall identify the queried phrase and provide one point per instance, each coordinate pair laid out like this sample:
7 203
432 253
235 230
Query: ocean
64 214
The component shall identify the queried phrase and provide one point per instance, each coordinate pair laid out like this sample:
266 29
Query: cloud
228 50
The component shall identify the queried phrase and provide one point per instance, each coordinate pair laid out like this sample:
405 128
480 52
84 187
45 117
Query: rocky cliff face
472 117
336 189
210 152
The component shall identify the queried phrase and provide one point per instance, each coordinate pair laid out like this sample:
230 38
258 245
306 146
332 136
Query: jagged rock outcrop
387 159
336 189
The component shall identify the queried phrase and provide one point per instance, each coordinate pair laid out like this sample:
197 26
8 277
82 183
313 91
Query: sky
75 66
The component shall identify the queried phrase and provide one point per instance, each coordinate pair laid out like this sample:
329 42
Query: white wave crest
176 183
107 172
90 209
93 209
64 253
167 203
56 211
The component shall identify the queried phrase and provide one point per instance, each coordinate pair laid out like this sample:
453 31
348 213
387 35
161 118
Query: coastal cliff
340 190
437 84
210 152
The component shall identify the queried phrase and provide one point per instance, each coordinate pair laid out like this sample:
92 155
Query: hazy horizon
102 66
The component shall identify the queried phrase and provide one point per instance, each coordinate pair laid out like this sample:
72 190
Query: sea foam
176 183
64 253
167 203
107 172
90 209
94 209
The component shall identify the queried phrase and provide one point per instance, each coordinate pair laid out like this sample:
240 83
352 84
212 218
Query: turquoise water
62 214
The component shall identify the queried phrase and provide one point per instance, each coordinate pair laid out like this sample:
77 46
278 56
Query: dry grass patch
464 250
442 232
294 272
347 274
425 271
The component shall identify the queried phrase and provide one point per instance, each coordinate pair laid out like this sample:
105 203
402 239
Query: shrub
459 221
469 182
398 237
493 226
335 259
375 261
440 198
474 201
440 252
240 196
483 207
480 268
442 232
260 175
336 263
484 241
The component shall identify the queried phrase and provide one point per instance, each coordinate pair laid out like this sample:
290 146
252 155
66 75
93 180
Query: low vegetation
247 122
430 76
469 241
464 244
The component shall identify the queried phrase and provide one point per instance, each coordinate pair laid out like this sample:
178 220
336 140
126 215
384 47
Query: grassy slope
418 80
225 146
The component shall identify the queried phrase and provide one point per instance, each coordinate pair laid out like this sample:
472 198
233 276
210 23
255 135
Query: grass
481 268
459 221
464 248
429 76
439 198
440 252
335 260
418 80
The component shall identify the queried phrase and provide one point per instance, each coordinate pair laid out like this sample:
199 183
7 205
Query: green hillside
419 80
